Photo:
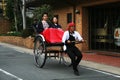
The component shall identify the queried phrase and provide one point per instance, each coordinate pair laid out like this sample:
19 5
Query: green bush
27 32
12 33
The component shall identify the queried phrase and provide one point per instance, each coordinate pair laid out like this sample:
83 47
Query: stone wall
19 41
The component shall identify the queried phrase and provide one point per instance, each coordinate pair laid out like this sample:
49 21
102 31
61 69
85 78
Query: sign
101 34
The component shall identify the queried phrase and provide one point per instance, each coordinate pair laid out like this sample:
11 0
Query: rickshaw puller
73 52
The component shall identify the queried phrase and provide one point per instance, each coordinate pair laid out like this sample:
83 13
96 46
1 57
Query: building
98 21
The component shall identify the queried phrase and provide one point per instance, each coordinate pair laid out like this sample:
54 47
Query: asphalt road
15 65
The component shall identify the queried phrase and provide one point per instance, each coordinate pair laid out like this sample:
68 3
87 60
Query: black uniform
73 52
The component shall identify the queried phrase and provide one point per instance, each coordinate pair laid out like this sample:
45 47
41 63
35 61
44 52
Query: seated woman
55 23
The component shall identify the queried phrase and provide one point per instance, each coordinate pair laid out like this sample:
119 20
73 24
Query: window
69 17
103 26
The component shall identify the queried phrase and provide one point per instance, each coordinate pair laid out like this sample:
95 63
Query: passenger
55 23
73 52
44 24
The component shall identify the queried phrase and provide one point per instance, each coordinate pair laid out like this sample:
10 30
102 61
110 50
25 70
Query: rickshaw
44 49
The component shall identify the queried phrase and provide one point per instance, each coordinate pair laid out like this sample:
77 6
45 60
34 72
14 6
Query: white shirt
75 34
66 37
45 24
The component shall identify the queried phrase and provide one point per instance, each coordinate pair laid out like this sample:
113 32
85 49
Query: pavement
91 60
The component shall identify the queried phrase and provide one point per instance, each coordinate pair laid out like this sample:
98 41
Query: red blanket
53 35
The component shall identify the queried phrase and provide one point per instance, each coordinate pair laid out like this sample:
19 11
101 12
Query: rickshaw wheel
39 52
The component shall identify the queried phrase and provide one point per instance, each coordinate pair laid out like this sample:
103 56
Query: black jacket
39 27
56 26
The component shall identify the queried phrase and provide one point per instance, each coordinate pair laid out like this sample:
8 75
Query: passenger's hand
59 28
46 28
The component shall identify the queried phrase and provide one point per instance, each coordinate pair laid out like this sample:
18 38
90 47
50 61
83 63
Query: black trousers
75 55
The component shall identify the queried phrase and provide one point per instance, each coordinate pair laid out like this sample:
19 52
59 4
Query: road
16 65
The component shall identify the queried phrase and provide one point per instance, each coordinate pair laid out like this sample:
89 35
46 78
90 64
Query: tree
9 10
40 10
20 10
23 14
13 12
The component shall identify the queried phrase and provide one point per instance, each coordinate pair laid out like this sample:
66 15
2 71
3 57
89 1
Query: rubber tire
37 55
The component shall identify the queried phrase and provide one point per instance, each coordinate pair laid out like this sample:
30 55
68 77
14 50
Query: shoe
76 72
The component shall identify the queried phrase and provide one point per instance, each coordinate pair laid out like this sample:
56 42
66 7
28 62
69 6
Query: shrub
11 33
27 32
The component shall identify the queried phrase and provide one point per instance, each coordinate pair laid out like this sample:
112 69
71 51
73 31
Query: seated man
44 24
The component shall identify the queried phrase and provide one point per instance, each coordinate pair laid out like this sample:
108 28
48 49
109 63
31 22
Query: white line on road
107 73
9 74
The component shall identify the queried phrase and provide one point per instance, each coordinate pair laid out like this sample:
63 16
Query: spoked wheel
65 59
39 52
